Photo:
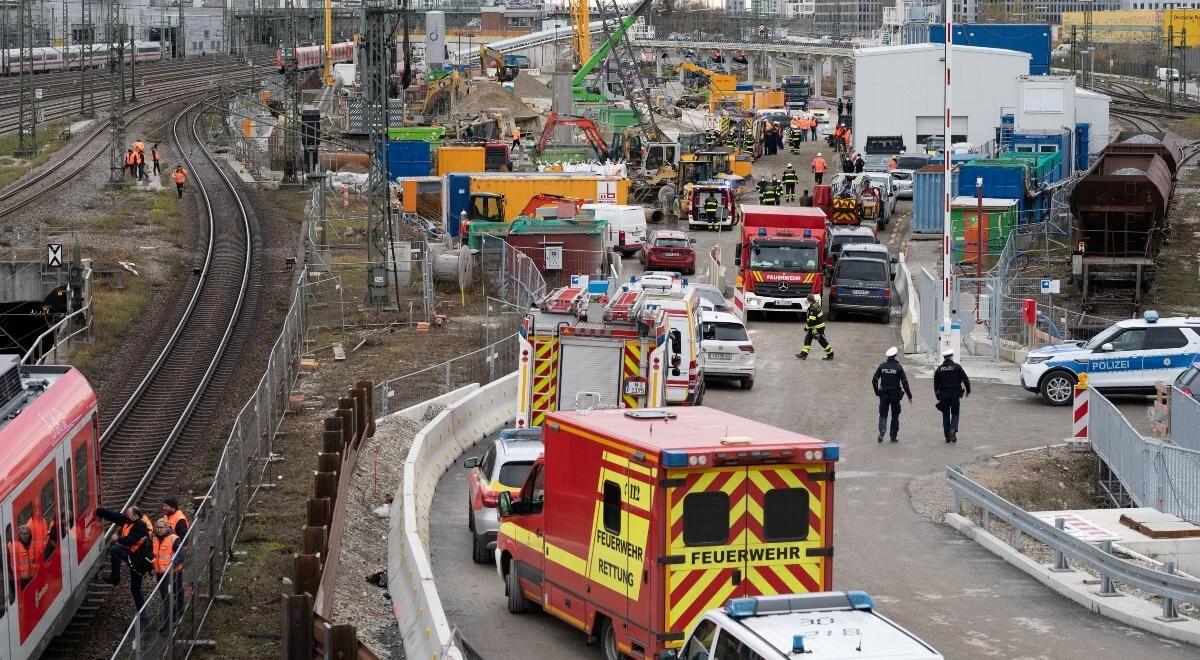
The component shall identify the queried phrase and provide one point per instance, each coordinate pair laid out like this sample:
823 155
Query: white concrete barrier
910 323
471 414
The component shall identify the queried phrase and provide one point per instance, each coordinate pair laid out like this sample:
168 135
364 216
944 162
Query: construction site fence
509 274
1150 472
1185 419
480 366
170 623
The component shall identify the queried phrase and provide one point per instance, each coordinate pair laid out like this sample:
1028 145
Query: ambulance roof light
1151 316
798 644
762 231
860 600
832 451
737 608
807 233
673 459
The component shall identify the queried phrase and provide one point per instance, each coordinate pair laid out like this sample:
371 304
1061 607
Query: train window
49 502
8 576
70 496
62 497
82 485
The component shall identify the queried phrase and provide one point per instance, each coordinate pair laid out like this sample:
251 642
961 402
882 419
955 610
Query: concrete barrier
471 414
910 323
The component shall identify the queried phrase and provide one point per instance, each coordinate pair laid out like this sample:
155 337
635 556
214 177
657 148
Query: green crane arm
606 47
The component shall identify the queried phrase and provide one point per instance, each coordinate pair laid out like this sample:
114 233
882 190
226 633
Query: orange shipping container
454 159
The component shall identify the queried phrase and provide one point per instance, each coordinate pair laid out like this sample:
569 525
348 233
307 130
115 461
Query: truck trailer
634 523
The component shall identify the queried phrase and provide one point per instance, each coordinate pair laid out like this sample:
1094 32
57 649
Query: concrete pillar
818 75
796 67
839 70
750 62
771 69
658 66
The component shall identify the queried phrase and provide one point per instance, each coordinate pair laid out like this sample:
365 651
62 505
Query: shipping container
561 248
1059 143
999 219
423 133
928 208
518 188
455 158
1082 146
1029 38
408 158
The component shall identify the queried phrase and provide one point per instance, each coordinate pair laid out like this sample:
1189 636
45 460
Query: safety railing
1151 472
1067 547
169 624
929 296
81 315
1185 420
479 366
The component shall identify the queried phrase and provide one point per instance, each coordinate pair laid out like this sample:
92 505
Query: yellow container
741 165
453 159
766 99
519 189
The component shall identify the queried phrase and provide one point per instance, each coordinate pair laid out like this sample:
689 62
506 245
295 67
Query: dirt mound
529 87
487 96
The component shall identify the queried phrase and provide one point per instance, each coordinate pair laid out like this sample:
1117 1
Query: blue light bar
673 459
798 644
762 231
741 607
807 233
1151 316
860 600
832 451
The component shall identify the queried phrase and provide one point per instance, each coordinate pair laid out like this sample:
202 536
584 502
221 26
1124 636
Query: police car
833 625
1127 358
502 468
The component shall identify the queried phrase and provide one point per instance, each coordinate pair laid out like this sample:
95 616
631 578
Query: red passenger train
49 490
313 57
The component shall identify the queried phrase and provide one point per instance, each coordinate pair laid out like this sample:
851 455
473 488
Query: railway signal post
27 132
116 96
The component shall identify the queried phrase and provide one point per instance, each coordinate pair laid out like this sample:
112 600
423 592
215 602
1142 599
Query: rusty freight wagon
1140 142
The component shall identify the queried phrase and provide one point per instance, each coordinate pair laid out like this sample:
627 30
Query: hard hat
948 352
789 164
891 352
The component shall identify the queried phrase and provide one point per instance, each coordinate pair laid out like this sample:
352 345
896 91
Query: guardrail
1185 420
1152 472
85 311
415 601
1067 547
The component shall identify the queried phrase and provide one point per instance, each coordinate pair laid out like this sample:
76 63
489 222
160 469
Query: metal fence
1151 472
168 625
509 274
1185 420
482 366
929 294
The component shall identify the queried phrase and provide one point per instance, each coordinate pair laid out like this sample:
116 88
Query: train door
33 543
9 627
82 485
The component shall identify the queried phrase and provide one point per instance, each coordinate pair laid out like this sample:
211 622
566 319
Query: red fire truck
633 523
583 349
780 258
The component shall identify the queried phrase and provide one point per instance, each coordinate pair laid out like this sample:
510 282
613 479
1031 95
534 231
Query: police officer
890 385
790 179
950 384
814 326
710 211
769 196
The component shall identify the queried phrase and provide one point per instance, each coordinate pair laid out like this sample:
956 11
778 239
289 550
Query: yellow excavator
721 86
490 58
439 92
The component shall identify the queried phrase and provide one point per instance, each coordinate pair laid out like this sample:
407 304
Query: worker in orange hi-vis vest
818 168
179 176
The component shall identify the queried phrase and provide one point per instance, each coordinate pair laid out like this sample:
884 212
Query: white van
833 625
1168 74
626 226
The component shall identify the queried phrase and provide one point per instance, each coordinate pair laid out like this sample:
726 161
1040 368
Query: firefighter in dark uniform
710 211
710 138
730 138
790 179
778 190
814 327
950 384
769 196
748 141
890 385
762 189
794 140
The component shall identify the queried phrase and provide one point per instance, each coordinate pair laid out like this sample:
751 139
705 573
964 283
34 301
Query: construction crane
580 90
582 41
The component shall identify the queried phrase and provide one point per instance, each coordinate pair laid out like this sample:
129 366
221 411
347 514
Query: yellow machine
441 90
722 87
582 41
492 59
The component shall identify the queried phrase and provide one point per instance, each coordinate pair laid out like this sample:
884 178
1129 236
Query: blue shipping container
1023 37
999 182
1082 146
458 196
927 206
408 158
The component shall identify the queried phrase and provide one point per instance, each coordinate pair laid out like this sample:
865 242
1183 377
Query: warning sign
1078 527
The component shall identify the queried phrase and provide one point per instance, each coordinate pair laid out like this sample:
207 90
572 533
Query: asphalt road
957 596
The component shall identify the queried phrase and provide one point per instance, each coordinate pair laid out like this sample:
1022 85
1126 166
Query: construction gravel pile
489 96
530 87
360 597
1142 138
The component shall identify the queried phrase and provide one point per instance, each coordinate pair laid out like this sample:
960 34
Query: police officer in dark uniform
814 326
890 385
790 179
710 211
950 384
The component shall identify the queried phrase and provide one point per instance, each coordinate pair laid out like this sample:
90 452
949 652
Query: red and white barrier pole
1079 426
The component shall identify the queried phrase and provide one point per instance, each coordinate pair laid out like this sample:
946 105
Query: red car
670 250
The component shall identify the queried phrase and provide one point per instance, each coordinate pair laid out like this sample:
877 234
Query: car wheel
886 317
479 549
470 519
1058 388
747 383
698 400
608 641
517 602
832 314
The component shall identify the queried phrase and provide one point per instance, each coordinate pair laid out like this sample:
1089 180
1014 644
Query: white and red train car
313 57
48 58
50 484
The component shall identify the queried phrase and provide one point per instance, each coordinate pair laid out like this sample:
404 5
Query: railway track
167 412
1137 119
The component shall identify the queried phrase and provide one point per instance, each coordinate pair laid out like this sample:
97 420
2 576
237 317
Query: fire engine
780 258
671 293
634 523
579 347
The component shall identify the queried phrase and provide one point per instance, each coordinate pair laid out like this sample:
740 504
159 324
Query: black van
863 285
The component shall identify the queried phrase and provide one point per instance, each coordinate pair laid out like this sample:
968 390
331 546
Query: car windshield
877 160
513 474
1099 340
725 331
911 162
671 242
842 241
712 296
871 271
785 257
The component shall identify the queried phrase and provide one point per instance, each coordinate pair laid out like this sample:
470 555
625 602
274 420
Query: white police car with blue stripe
1127 358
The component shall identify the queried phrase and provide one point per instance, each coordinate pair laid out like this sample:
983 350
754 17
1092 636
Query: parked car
887 196
670 250
626 226
876 162
843 235
902 176
1127 358
502 468
711 298
728 351
861 285
1188 382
